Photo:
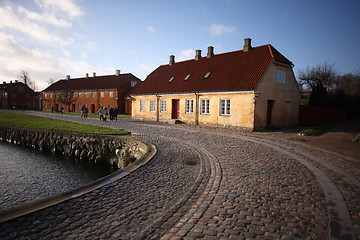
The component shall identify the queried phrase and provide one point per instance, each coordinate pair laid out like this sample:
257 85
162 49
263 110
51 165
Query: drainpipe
197 108
157 107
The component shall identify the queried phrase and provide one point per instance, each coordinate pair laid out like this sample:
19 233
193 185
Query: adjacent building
93 92
253 88
16 95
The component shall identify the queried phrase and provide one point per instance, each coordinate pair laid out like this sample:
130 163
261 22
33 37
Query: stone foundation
117 151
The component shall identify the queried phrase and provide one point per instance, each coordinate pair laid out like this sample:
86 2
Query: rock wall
117 151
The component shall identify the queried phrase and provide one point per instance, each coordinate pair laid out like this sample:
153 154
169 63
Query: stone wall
117 151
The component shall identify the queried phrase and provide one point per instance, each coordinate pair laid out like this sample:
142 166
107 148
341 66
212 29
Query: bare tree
25 78
320 79
67 97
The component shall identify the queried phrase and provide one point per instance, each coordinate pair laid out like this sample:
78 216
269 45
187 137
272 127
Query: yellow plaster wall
287 98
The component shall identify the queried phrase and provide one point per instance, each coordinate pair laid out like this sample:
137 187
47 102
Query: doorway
270 106
92 108
175 109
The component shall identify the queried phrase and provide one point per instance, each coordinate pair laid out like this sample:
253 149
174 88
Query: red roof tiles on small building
230 71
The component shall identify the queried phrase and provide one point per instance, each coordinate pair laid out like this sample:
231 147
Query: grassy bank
13 119
317 131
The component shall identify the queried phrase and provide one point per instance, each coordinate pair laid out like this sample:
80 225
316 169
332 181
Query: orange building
16 95
93 92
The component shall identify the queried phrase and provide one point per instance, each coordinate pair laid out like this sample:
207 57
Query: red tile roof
230 71
98 82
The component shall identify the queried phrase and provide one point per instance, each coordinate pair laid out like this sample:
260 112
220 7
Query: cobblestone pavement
210 183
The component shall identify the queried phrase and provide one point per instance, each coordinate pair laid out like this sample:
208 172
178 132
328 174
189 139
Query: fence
317 115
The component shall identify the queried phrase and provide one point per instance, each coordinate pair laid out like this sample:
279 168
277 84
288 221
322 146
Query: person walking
82 112
101 113
115 113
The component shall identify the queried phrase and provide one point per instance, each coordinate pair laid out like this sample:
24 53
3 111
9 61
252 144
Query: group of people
103 113
84 112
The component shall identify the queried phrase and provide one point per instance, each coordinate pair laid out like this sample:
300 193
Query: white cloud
44 17
219 29
147 67
67 7
151 29
186 55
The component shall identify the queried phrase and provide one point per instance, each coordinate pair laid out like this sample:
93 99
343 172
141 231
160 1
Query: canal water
27 175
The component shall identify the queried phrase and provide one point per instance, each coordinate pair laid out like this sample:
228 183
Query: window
152 106
13 95
21 88
101 94
45 95
111 94
79 106
142 105
93 94
45 105
187 77
27 96
133 83
162 105
74 94
51 95
207 75
171 79
57 95
86 94
280 76
80 94
225 107
205 106
189 106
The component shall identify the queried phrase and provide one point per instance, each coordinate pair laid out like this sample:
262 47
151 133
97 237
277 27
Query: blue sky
51 39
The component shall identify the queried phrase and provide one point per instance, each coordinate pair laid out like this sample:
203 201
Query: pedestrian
115 113
82 112
105 113
62 109
111 113
86 111
101 113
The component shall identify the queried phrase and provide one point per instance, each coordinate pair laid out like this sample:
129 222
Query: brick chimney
94 74
117 72
67 77
198 54
172 60
210 51
87 75
247 44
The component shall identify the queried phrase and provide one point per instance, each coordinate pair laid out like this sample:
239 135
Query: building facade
252 88
93 92
16 95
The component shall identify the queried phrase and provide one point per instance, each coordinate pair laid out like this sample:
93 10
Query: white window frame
133 83
205 106
45 95
86 94
152 105
80 94
51 95
142 105
189 106
162 105
93 94
280 76
102 94
111 94
225 107
45 105
79 106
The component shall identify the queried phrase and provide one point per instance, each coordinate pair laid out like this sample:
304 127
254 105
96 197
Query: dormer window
207 75
171 79
187 77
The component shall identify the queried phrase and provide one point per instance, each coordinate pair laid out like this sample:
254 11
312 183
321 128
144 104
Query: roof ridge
271 52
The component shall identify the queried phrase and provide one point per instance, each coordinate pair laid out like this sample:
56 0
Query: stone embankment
117 151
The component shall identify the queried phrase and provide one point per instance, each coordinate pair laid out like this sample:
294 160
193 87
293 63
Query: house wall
286 98
241 113
97 100
19 96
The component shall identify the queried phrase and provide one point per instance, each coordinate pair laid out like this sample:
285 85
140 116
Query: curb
25 209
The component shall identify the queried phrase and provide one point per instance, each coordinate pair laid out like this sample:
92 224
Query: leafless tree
25 78
322 75
67 97
349 84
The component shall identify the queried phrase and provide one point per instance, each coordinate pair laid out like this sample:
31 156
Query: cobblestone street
210 183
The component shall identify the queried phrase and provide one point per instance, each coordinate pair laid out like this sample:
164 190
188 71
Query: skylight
187 77
171 79
207 75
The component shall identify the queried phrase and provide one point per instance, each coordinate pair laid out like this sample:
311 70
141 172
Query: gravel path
210 183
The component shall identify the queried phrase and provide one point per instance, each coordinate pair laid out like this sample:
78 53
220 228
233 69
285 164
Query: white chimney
117 72
172 60
198 54
210 51
10 81
67 77
4 82
94 74
87 75
16 81
247 44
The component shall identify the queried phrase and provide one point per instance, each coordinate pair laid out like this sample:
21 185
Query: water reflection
27 175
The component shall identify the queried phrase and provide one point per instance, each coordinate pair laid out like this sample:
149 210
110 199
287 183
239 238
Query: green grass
92 115
13 119
317 131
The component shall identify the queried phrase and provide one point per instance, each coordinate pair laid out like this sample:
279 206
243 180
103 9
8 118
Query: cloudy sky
53 38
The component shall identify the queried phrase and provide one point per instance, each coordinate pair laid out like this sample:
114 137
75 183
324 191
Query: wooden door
175 109
270 105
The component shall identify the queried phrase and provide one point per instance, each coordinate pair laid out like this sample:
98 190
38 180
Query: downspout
157 107
197 108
